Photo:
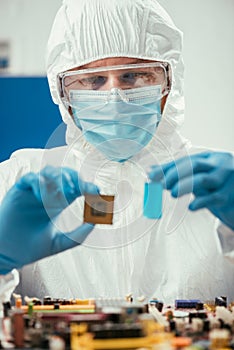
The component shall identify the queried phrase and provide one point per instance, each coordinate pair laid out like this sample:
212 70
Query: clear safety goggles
123 77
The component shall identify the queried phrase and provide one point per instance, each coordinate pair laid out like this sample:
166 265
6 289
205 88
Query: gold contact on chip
98 209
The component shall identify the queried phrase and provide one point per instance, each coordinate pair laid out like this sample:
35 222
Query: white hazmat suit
176 256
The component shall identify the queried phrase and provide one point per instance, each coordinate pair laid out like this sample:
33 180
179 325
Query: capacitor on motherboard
30 309
47 300
18 327
56 306
221 301
129 297
157 303
169 315
199 306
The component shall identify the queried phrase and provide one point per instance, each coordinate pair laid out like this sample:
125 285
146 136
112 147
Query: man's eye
133 77
93 83
129 77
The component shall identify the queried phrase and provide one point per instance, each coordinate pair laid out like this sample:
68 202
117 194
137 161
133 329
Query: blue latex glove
26 231
210 176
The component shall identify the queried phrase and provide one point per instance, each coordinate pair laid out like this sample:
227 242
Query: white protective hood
89 30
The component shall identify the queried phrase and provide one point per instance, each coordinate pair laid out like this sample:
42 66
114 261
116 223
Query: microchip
98 209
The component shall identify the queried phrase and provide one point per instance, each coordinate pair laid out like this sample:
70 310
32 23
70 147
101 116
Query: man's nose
112 82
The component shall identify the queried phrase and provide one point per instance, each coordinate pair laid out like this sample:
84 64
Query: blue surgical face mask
119 123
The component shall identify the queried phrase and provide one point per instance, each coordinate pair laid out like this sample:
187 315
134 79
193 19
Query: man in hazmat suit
115 70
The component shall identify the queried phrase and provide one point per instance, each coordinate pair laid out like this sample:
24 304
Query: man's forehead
112 61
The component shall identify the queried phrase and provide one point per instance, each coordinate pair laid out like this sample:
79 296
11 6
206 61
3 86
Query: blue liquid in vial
153 200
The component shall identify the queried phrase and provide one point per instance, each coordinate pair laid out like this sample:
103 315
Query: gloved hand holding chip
27 232
209 176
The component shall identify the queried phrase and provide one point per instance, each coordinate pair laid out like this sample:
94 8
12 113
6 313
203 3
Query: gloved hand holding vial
209 176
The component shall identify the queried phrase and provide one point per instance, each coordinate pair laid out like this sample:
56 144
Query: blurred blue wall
28 116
